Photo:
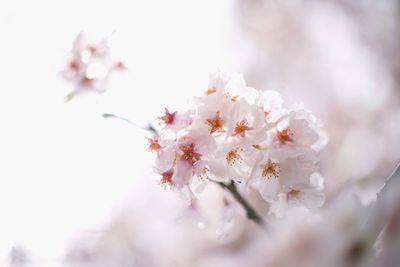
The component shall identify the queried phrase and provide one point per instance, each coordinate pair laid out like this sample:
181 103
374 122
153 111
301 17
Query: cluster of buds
89 66
237 134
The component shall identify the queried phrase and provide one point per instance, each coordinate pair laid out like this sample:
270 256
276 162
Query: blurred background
78 190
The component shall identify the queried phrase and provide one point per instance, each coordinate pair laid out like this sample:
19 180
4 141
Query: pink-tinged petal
181 121
183 173
269 189
303 133
89 67
175 121
166 159
77 45
204 143
120 66
218 168
198 184
218 80
270 100
296 171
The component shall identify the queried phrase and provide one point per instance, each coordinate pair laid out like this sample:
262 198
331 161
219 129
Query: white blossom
240 134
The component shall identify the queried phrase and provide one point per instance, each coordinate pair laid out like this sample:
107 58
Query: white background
62 167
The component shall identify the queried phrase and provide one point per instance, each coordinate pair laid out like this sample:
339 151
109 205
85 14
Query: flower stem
250 212
147 127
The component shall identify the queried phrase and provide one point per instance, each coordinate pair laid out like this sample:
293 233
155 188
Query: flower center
85 81
215 124
294 194
153 144
232 98
271 170
92 49
233 156
166 178
210 91
168 118
189 154
74 65
285 136
241 128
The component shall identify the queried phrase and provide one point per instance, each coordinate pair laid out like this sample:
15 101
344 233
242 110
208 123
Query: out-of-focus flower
89 66
348 75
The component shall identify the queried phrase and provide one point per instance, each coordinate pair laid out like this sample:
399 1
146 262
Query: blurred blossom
341 59
89 66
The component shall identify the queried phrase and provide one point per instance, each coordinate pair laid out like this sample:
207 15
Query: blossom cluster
240 134
89 66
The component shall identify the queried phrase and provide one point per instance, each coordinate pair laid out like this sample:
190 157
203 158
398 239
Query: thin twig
149 127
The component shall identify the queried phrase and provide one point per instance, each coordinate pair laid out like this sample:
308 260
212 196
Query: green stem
148 128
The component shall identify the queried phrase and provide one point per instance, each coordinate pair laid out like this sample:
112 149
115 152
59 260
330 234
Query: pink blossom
89 66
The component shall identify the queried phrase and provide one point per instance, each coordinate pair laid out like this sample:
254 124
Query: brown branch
250 212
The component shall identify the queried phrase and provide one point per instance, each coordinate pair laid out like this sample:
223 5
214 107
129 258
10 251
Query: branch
250 212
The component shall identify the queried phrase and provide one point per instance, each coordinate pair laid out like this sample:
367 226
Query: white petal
269 189
165 159
183 173
307 197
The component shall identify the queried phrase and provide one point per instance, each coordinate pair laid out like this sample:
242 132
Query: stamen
241 128
259 147
271 169
232 98
153 144
168 118
210 91
189 154
215 124
204 176
285 136
233 156
294 194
